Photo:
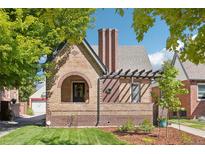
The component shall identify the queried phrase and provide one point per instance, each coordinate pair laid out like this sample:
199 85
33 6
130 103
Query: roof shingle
131 57
196 72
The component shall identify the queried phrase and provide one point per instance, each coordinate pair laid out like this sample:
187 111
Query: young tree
170 89
185 24
28 34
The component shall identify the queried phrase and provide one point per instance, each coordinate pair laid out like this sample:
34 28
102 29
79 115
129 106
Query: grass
191 123
31 135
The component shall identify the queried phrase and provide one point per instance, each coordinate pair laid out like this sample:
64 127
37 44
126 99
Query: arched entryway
75 88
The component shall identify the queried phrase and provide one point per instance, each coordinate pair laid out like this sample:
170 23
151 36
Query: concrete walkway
190 130
6 131
9 126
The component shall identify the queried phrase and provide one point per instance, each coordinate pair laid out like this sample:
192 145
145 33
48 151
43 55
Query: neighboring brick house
100 85
9 101
193 77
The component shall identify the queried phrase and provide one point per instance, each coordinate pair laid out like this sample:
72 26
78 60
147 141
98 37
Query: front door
78 92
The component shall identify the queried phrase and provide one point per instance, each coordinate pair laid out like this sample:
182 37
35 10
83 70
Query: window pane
201 91
135 92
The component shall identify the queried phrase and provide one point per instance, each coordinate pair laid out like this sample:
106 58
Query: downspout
98 101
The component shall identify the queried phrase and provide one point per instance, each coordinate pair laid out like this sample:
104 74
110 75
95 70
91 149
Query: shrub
146 126
29 111
148 140
186 139
127 127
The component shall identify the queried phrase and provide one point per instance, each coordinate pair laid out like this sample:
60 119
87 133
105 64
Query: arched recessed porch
75 88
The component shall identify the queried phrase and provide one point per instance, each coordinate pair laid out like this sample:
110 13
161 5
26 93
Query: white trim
76 81
94 56
198 91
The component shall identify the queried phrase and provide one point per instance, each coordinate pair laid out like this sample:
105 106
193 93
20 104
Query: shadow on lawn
57 141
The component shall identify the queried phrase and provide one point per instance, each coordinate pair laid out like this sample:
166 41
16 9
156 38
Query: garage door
39 107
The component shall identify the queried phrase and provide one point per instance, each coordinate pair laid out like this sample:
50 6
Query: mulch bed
158 137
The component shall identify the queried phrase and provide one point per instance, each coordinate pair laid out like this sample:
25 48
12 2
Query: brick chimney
107 47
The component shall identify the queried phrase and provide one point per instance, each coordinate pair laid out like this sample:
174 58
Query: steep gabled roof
192 71
131 57
89 49
94 55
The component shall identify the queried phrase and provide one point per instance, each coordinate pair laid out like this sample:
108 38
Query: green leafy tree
170 88
28 34
183 24
26 90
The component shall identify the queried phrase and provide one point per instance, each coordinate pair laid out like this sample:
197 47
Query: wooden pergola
139 74
142 74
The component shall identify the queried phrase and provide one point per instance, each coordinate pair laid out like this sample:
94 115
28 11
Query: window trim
135 83
203 99
72 82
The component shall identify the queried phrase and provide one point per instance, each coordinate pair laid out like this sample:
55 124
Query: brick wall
64 114
197 107
194 107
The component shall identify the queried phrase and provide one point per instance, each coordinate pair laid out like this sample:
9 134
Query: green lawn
54 136
191 123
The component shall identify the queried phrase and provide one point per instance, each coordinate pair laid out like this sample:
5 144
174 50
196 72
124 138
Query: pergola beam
116 74
140 73
126 73
108 75
137 74
134 72
147 73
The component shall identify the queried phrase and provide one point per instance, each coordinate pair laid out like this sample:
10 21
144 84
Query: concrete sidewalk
190 130
8 126
6 131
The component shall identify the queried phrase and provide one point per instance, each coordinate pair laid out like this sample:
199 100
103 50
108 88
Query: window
135 92
201 91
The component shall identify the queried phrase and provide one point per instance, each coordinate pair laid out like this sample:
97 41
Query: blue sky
154 40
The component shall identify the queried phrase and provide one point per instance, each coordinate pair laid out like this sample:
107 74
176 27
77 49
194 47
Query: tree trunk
158 122
178 120
167 126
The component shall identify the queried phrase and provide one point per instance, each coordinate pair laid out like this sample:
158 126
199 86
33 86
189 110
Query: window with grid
135 92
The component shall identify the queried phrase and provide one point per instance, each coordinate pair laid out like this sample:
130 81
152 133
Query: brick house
100 85
193 77
9 101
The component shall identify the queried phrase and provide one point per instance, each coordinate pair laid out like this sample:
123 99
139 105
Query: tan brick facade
77 66
114 110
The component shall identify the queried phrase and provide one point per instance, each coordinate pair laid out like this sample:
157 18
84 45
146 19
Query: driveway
8 126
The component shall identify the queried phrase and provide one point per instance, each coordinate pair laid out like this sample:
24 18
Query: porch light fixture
108 90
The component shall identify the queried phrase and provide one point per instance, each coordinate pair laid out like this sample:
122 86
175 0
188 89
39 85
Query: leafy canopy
170 88
26 90
28 34
183 23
